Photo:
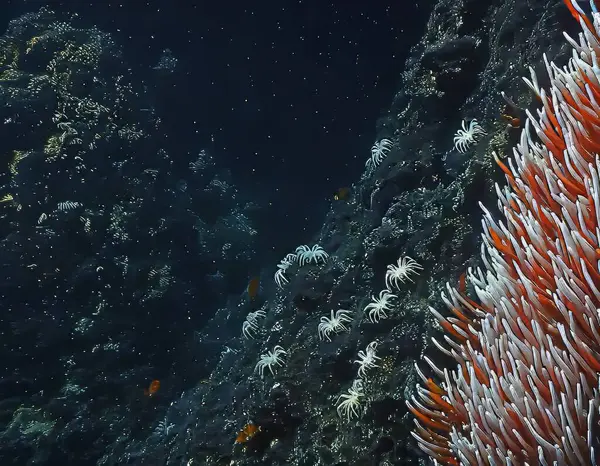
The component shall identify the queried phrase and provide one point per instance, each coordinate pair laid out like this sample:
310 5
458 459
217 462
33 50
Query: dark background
284 93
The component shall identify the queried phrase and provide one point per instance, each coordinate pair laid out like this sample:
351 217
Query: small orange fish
152 388
508 113
513 122
247 433
341 194
462 283
253 287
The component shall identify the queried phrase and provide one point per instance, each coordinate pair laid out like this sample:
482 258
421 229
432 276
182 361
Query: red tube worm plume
525 390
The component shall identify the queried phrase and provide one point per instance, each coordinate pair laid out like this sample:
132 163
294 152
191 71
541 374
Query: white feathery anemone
379 151
270 359
334 324
248 329
468 136
397 274
280 278
377 308
307 255
367 359
250 325
348 403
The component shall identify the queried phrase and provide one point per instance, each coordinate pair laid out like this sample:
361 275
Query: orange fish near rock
247 433
253 287
152 388
341 194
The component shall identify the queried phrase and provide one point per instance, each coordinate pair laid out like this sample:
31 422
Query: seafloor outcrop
420 201
102 229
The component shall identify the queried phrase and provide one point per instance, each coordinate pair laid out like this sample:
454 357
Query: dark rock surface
101 230
421 201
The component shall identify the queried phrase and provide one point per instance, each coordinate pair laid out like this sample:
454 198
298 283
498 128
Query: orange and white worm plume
525 389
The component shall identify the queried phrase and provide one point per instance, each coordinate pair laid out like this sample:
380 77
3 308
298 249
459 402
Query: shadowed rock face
421 201
142 236
102 230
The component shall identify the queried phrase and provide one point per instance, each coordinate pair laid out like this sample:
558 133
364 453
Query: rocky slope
420 201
